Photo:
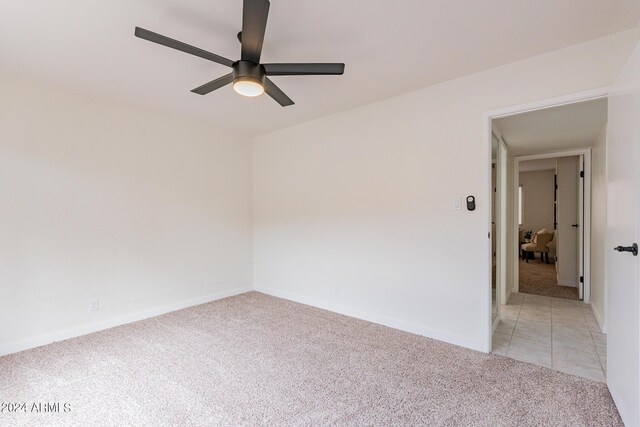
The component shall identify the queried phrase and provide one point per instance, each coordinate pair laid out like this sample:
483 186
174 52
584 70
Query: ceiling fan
248 75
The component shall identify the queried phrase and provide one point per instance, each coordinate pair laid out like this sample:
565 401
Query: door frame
586 209
487 118
500 214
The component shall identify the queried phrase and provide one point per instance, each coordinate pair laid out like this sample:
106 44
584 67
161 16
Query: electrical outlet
338 290
93 305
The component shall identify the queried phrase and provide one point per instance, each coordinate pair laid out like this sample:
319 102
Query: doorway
551 330
552 192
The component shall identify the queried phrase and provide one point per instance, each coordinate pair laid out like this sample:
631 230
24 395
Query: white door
568 172
623 221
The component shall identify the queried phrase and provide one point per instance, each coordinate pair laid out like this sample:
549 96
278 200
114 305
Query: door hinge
581 174
581 279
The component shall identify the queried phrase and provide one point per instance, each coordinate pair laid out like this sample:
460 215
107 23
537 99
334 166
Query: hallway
556 333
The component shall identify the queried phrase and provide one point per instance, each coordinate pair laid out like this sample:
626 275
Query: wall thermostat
471 203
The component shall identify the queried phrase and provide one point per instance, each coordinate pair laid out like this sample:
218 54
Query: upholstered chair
538 245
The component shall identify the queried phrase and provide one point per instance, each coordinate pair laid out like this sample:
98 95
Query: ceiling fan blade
254 24
303 69
214 84
175 44
277 94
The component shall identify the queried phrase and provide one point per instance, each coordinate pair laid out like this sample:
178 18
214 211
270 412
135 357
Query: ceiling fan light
248 86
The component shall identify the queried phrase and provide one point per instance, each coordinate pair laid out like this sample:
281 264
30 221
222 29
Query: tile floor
557 333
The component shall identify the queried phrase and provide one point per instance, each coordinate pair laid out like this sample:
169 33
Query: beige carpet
257 360
539 278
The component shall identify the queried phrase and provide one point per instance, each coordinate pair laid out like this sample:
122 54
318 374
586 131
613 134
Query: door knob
633 249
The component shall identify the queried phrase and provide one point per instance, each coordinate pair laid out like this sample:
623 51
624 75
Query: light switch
457 204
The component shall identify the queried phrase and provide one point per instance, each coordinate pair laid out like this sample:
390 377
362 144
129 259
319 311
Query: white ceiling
388 47
565 127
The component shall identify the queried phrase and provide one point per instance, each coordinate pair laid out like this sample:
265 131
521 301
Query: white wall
598 226
139 209
537 194
353 211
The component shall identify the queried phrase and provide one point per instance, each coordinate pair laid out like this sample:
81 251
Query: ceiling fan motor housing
247 70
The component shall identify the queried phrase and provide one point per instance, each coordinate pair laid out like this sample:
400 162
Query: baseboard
117 321
599 318
567 283
376 318
628 416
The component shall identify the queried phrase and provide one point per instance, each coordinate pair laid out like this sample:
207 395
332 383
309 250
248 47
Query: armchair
538 244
